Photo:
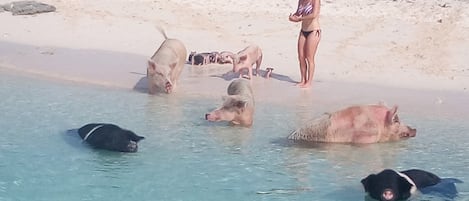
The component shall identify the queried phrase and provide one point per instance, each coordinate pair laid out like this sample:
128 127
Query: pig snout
211 117
409 132
168 87
132 146
412 132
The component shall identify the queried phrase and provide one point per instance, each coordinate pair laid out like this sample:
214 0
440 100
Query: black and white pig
391 185
110 137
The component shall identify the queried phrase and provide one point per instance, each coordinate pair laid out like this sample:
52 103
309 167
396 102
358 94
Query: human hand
294 18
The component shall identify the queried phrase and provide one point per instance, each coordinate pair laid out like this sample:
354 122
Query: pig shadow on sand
142 84
230 76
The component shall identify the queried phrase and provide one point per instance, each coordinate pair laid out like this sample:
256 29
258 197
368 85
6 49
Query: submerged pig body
165 66
246 58
356 124
238 106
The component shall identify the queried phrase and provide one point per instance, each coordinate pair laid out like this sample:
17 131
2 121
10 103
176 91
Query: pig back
170 51
315 130
241 87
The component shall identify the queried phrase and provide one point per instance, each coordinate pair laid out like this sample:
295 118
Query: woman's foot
300 84
306 85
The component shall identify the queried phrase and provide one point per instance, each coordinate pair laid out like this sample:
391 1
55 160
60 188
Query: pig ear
242 58
390 114
404 187
134 137
393 110
151 67
366 182
241 104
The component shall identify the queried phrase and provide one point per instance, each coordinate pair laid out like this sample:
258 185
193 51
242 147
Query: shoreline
325 96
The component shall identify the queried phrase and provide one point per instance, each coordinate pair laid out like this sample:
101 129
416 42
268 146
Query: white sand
422 44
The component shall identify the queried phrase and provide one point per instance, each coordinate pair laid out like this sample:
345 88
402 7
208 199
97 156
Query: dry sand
413 44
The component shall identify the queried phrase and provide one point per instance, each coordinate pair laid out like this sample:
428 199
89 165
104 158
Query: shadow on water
355 193
72 138
365 158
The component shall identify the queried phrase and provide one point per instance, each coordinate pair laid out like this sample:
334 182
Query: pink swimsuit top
305 9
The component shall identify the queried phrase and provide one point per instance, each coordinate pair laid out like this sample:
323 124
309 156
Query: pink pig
166 64
237 107
246 58
356 124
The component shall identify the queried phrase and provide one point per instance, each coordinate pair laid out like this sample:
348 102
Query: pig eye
159 73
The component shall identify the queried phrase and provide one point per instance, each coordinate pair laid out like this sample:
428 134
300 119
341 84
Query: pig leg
268 73
206 59
241 73
250 72
258 65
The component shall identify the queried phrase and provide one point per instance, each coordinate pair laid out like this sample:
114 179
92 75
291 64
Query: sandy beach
413 44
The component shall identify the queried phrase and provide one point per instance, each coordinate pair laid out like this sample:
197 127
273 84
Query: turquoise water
186 158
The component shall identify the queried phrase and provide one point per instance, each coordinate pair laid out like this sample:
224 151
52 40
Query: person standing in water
310 34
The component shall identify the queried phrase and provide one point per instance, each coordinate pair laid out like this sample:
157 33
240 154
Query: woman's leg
302 59
311 46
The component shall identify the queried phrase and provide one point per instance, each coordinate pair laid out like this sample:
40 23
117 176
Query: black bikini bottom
306 33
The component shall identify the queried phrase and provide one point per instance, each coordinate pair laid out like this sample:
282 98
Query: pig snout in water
237 107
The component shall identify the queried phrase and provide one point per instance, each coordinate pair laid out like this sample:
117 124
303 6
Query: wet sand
210 82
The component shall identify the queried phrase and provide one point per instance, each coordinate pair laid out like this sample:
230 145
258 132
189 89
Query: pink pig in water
356 124
238 106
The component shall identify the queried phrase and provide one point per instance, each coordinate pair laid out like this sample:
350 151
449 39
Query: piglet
246 58
200 58
214 57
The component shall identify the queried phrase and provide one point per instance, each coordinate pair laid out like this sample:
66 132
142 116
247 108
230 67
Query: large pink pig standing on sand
165 66
356 124
246 58
238 106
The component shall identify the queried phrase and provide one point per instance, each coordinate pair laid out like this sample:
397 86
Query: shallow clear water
186 158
